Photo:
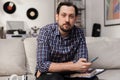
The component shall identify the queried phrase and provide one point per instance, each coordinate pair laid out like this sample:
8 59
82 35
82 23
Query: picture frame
111 12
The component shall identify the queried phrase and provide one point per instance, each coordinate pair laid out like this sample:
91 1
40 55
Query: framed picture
111 12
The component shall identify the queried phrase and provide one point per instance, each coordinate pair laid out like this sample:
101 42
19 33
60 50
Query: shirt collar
57 33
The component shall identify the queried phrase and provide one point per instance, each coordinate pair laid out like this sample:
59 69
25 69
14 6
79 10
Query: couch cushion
12 57
107 49
30 48
113 74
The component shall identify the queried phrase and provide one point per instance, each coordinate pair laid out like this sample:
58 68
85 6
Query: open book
89 74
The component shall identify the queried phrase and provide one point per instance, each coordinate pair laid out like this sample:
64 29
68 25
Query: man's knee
54 76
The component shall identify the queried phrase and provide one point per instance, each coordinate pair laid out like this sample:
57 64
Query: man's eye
63 15
71 16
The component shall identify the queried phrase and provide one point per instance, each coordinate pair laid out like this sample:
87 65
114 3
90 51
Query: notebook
89 74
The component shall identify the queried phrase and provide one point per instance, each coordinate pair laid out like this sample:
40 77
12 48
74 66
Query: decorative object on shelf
16 33
16 29
34 32
15 77
9 7
32 13
2 34
111 12
96 31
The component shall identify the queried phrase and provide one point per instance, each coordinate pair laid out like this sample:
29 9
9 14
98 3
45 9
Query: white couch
107 49
19 57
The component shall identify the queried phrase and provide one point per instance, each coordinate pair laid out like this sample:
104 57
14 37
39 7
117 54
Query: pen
94 59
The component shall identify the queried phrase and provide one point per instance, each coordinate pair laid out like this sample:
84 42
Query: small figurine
35 30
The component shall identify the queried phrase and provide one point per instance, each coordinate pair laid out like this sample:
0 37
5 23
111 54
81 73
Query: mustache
67 23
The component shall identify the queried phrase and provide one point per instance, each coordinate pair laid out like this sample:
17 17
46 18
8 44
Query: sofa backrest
107 49
30 45
12 57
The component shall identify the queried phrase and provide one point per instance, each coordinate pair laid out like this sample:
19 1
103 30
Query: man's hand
38 74
82 65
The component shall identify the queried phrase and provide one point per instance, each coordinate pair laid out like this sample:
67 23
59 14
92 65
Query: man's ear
56 17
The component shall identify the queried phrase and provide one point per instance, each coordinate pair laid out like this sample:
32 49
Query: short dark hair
67 4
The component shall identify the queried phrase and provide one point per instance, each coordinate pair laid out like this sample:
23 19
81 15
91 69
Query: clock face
9 7
32 13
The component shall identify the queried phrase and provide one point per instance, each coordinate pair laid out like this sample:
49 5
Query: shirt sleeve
82 51
43 52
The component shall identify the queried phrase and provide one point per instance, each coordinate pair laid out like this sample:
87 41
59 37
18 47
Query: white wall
44 7
95 14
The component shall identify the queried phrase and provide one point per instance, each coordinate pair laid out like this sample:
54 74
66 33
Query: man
61 47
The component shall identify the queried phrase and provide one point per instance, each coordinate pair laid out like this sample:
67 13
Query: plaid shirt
54 48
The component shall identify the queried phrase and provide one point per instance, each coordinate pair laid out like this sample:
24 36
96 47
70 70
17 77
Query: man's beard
65 30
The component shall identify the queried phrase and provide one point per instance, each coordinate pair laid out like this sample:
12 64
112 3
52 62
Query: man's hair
67 4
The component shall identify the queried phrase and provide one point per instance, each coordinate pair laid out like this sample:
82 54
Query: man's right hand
38 74
82 65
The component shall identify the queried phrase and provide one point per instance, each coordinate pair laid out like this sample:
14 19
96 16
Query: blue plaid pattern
52 47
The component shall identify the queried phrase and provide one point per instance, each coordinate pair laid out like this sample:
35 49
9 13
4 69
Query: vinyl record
9 7
32 13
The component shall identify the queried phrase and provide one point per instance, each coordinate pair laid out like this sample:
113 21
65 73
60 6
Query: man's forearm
59 67
81 66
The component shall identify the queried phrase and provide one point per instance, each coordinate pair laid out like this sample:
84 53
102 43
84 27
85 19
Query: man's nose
67 19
